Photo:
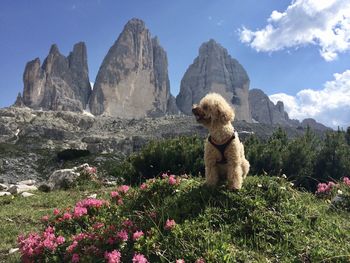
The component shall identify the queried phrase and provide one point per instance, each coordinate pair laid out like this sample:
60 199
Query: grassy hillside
180 218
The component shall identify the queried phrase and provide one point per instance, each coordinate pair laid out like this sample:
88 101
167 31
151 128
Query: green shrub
178 156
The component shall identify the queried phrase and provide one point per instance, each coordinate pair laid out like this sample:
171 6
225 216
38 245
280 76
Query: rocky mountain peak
214 70
133 80
61 83
54 50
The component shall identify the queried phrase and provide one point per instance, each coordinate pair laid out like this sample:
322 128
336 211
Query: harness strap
221 148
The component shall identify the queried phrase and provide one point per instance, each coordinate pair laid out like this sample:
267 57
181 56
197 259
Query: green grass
267 221
19 215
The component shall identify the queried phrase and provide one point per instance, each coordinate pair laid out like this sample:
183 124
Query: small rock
338 199
110 183
3 187
13 250
26 194
20 188
27 182
4 193
92 196
45 187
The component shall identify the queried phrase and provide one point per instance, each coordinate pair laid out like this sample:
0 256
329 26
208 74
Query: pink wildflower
128 224
80 237
56 211
71 247
170 224
139 258
98 225
123 189
137 235
172 180
49 244
67 216
113 256
45 218
153 214
79 211
123 235
324 187
346 181
91 202
114 194
143 186
110 241
75 258
91 170
180 261
60 240
200 260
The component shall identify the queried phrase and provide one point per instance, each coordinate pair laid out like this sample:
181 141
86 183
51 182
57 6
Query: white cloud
330 105
92 85
325 23
220 23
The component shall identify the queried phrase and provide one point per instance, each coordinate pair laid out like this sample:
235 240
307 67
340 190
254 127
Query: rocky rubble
30 140
59 179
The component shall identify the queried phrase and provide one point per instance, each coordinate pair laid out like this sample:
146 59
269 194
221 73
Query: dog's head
213 109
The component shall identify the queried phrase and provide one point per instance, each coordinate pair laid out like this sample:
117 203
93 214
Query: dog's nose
195 110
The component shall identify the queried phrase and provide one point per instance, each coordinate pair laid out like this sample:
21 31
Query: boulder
20 188
3 187
26 194
63 179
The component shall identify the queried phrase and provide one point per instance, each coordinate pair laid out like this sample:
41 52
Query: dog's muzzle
198 113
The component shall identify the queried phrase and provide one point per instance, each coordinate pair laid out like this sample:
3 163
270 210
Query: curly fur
216 114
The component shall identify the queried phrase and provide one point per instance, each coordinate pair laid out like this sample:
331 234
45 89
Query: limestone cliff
61 83
214 70
133 81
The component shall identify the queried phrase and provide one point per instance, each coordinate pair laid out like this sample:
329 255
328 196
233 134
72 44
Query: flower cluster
325 187
97 230
346 181
34 245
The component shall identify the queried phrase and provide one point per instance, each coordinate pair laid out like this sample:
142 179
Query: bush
178 156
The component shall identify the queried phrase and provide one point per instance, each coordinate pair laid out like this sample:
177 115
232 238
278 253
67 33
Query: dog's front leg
211 174
234 176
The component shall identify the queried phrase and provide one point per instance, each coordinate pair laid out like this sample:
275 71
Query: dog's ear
225 113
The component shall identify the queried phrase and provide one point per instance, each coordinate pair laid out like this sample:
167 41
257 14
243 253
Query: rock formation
214 70
61 83
133 78
263 110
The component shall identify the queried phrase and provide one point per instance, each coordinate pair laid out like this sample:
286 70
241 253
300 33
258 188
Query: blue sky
295 61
